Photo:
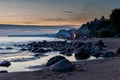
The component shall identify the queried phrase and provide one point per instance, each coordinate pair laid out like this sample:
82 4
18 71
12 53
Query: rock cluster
59 64
82 50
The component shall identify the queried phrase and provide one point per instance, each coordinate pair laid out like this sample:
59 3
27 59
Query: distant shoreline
41 35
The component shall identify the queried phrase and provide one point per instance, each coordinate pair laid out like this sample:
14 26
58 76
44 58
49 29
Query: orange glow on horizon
42 23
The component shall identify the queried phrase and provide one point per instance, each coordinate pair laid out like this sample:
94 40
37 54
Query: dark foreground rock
5 63
82 54
3 71
62 66
54 60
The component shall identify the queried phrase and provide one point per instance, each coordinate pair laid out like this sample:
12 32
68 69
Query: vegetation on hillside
110 27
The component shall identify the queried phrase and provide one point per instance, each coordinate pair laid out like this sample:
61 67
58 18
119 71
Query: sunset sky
54 12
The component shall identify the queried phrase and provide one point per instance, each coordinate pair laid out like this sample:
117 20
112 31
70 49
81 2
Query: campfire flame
74 35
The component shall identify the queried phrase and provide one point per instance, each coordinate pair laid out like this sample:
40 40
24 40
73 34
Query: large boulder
5 63
62 66
100 43
54 60
82 54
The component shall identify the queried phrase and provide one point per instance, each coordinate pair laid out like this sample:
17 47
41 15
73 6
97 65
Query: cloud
69 12
28 22
54 19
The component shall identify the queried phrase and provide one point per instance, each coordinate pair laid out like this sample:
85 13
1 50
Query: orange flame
74 35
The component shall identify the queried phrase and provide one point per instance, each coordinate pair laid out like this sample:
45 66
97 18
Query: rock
9 48
29 48
68 54
82 54
23 49
33 49
63 52
1 48
77 45
109 54
97 54
97 51
37 55
62 66
118 51
41 50
54 60
5 63
3 71
100 43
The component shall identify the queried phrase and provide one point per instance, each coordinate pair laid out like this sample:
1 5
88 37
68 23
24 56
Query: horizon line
39 25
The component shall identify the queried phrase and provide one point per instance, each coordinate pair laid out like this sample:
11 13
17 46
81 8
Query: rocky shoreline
82 50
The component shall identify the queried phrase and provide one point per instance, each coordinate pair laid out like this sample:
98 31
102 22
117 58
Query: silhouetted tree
103 18
115 19
115 16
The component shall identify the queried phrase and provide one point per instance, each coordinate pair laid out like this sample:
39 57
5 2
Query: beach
59 40
97 69
107 69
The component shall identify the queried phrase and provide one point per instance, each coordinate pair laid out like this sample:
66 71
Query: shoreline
102 69
97 69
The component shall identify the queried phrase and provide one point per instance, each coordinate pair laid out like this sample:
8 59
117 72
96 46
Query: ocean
7 30
24 60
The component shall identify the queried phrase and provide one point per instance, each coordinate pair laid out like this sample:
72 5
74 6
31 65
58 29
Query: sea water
24 60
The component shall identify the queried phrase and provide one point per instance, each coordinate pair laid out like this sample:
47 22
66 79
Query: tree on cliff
111 28
115 16
115 19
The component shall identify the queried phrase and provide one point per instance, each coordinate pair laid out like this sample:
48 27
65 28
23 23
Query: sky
54 12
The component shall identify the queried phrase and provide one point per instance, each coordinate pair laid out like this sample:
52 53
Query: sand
107 69
100 69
